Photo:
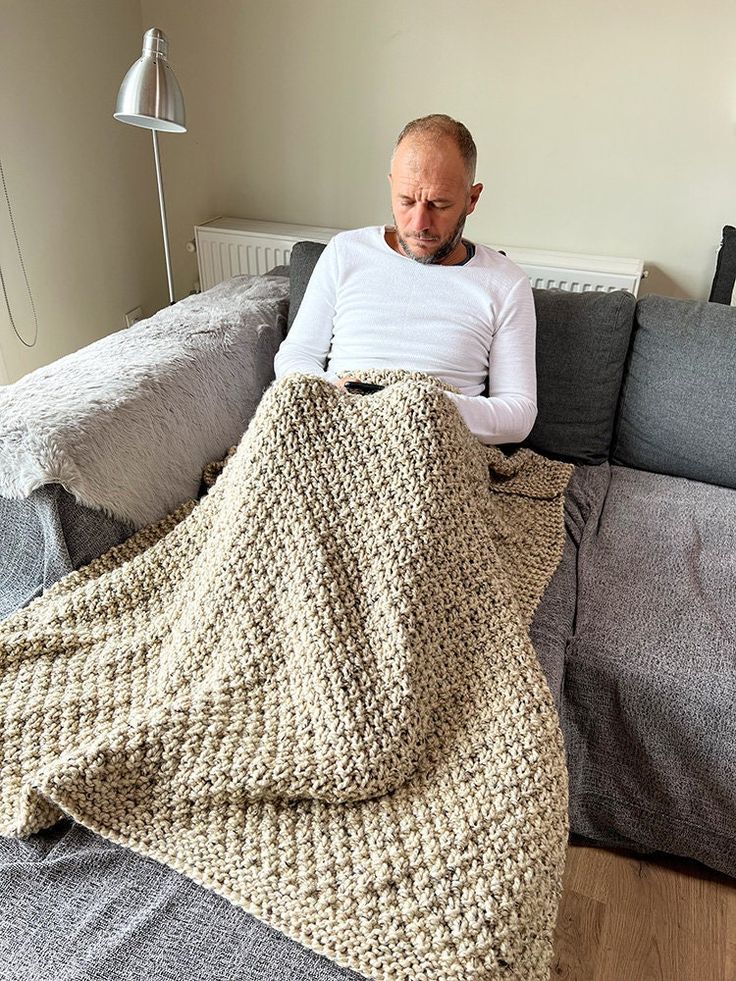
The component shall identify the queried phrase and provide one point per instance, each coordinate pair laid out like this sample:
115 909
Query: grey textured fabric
649 685
678 413
582 340
74 907
303 259
554 620
44 537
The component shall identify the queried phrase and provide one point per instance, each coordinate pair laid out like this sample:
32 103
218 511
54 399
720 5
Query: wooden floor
624 918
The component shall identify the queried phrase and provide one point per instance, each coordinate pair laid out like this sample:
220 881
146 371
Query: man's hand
340 383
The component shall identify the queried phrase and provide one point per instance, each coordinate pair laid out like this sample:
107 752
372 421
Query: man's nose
420 217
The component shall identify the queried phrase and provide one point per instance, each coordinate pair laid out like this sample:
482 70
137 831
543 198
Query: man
416 295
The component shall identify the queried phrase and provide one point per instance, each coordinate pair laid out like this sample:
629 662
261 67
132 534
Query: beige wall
606 128
603 127
82 185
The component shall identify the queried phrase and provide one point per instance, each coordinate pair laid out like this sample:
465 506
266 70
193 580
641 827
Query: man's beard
441 252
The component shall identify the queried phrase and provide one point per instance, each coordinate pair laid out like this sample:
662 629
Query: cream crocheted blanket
315 693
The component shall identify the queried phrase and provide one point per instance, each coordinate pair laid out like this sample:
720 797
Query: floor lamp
150 97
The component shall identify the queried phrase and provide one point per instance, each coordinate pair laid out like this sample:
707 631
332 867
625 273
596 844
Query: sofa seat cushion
678 412
650 671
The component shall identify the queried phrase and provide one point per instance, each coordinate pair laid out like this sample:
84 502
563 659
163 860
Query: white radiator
233 246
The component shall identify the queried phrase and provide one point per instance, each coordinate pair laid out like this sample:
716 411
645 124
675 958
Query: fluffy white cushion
127 423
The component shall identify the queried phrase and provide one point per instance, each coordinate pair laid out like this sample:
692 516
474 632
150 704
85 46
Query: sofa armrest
127 424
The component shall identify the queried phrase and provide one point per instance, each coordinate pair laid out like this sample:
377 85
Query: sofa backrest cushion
677 413
582 340
303 259
723 289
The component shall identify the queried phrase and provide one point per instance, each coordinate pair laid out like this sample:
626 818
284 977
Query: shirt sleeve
307 345
507 413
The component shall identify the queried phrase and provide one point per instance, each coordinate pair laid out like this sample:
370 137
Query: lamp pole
164 223
150 97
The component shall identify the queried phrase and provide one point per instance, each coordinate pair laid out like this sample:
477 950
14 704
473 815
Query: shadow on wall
659 282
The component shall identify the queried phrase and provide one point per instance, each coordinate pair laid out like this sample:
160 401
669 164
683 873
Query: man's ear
473 197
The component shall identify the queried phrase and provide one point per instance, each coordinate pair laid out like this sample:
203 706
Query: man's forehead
437 190
423 164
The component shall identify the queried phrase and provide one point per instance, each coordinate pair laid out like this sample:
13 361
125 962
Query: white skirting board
232 246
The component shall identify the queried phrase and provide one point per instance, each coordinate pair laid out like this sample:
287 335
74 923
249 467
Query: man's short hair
439 125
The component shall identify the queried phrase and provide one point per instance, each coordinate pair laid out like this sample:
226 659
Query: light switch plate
133 316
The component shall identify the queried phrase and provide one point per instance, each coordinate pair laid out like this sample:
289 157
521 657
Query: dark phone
362 388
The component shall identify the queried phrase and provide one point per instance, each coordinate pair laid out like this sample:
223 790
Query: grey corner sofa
636 635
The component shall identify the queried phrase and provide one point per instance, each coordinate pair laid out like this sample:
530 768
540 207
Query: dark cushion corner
304 256
582 343
725 275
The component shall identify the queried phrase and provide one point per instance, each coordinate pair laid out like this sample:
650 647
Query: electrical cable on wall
23 268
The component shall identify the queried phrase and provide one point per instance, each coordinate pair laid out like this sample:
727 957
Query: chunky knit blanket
314 692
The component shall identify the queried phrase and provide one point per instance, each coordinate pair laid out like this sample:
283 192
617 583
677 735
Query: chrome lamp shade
150 97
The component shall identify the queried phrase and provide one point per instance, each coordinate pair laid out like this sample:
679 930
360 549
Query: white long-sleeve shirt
473 326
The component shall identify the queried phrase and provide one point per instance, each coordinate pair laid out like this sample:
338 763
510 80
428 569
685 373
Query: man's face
431 197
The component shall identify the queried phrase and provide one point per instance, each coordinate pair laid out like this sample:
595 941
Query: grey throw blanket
127 424
76 907
636 635
46 536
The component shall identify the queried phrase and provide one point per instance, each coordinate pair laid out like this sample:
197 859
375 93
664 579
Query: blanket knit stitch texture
314 692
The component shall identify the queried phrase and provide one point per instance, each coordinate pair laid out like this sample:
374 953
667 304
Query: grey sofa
636 635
